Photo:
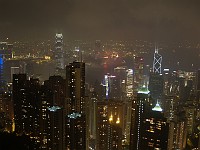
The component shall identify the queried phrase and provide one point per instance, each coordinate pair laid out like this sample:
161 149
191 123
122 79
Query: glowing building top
144 90
157 108
59 36
54 108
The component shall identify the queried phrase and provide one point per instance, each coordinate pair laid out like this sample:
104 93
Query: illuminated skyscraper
26 104
149 127
140 107
157 62
75 106
59 53
75 79
155 130
109 125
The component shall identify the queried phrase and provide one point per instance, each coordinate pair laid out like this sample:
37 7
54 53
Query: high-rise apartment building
177 138
155 130
109 125
75 106
56 128
140 107
26 104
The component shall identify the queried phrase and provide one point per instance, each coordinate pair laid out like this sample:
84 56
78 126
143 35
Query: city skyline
99 74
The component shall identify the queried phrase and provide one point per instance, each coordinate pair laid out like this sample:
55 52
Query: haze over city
105 19
99 75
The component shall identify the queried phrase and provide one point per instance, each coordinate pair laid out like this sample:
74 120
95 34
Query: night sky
101 19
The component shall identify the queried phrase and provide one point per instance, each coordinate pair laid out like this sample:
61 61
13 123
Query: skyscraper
149 129
140 107
156 81
156 87
157 62
109 124
155 130
26 104
75 106
59 53
138 72
56 127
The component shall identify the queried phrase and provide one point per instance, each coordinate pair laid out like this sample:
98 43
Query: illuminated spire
156 49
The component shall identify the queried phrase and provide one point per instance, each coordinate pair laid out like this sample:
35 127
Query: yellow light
111 118
118 121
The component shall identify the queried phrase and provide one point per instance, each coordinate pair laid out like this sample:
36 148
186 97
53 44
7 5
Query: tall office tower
75 107
59 53
56 127
138 72
155 130
177 138
109 125
26 104
157 62
156 87
140 107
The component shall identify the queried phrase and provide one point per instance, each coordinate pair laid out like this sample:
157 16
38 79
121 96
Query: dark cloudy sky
101 19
